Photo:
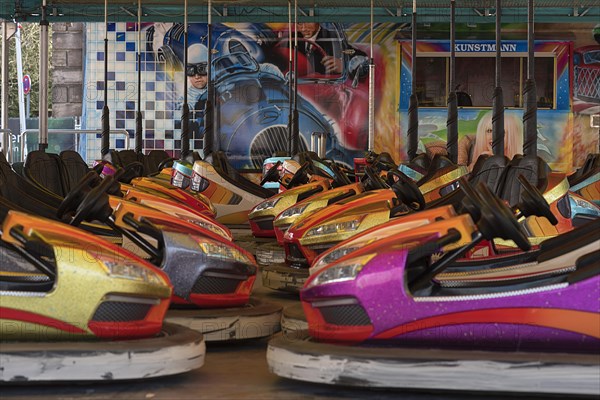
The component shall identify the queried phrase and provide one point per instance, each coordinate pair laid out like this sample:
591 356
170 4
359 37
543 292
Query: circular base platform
293 321
270 253
282 277
245 240
176 350
434 369
255 320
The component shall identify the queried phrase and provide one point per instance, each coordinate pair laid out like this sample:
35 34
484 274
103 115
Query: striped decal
583 322
26 316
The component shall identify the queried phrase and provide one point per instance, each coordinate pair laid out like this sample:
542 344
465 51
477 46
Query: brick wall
67 59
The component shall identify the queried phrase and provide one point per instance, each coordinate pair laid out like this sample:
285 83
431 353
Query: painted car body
93 277
554 314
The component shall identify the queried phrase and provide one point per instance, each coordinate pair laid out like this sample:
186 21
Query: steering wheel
132 170
303 64
272 174
95 204
74 197
473 202
376 181
300 173
406 190
534 203
166 163
339 177
498 220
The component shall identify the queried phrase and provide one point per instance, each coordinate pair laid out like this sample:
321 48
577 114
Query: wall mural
250 66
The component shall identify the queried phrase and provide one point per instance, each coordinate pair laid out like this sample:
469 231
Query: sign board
26 84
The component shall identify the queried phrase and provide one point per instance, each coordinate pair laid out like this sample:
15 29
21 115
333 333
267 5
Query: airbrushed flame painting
250 67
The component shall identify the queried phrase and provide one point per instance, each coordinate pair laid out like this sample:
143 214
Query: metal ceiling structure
429 11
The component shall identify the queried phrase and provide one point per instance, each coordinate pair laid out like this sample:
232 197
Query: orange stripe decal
583 322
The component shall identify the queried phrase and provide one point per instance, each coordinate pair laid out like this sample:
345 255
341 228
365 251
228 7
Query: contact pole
290 80
138 116
43 143
371 91
413 103
452 121
211 138
295 127
105 137
498 99
185 109
530 90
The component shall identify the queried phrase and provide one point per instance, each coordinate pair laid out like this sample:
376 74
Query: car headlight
335 227
345 271
126 270
292 211
222 251
335 255
208 226
265 205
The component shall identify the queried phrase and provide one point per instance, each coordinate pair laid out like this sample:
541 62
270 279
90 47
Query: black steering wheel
534 203
406 190
132 170
300 173
473 202
498 220
339 177
376 181
73 198
95 205
272 174
166 163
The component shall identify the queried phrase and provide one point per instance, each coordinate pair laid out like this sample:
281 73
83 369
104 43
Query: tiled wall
159 102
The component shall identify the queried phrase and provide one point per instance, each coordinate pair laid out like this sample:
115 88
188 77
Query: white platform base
434 369
293 321
284 278
255 320
269 254
176 350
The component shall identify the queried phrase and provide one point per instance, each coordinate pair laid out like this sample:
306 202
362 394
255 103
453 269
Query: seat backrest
533 168
45 170
438 166
75 166
489 169
225 170
153 159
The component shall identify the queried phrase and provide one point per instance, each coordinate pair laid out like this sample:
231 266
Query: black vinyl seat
225 170
45 170
533 168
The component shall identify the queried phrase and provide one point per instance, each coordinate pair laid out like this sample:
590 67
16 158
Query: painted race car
61 283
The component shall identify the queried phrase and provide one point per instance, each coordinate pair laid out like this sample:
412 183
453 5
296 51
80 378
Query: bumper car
394 301
71 302
231 194
262 216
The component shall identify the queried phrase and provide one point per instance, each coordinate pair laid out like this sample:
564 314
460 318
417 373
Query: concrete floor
232 371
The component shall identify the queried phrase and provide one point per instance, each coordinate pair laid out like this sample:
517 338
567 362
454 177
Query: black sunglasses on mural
196 69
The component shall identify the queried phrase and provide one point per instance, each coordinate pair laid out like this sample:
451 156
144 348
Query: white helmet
197 53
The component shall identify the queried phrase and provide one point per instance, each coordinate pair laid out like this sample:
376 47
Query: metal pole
21 92
139 134
371 91
413 104
295 117
185 109
210 136
290 80
105 141
6 133
452 121
43 113
498 99
530 90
